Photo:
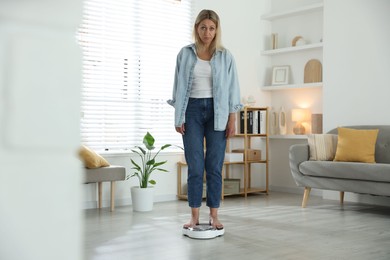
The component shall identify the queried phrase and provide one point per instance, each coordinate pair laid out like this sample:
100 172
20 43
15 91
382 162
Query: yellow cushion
356 145
91 159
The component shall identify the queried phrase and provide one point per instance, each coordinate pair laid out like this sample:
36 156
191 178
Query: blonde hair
216 43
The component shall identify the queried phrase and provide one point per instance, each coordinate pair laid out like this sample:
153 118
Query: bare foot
215 223
194 218
193 222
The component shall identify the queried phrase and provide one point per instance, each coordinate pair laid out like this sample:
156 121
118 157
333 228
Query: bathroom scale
203 231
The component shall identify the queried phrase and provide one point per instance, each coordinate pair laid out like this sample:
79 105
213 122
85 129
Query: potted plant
142 195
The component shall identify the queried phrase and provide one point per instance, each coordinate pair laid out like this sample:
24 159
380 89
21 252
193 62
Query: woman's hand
231 125
180 129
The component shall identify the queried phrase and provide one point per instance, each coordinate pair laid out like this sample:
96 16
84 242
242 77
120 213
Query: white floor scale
203 231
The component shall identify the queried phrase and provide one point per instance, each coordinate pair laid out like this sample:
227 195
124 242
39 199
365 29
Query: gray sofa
365 178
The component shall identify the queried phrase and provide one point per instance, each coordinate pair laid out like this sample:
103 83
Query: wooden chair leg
341 197
112 196
100 194
306 196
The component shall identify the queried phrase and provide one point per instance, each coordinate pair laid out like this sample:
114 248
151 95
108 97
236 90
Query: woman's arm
231 125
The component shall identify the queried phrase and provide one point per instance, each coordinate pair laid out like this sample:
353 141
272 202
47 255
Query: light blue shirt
226 89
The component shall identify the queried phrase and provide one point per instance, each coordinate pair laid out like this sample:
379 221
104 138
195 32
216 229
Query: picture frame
280 75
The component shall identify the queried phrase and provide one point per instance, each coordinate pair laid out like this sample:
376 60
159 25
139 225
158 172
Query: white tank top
202 81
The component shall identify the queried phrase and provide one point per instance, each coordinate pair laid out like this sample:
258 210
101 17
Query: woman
206 97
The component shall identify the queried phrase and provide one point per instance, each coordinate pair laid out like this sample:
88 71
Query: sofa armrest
298 153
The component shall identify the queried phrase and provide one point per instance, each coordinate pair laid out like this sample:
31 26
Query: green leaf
162 170
159 163
152 182
148 141
141 149
151 162
137 152
137 167
165 146
130 176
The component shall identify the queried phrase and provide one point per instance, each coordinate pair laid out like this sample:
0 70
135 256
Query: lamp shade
300 115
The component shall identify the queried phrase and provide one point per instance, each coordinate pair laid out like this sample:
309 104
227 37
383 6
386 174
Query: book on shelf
242 121
256 122
262 122
249 122
250 126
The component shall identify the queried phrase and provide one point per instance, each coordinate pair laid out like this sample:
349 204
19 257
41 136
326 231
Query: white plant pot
142 198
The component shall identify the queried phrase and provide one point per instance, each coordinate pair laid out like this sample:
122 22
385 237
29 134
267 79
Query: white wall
356 67
356 62
40 176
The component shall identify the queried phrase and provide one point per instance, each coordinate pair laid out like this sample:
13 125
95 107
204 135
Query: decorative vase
142 198
282 122
316 123
273 122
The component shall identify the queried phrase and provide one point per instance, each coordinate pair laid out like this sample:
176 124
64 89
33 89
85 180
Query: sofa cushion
356 145
322 146
110 173
382 147
91 159
379 172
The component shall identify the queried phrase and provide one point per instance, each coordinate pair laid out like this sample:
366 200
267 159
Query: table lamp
299 116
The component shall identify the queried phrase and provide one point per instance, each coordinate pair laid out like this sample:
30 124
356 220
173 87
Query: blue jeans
199 124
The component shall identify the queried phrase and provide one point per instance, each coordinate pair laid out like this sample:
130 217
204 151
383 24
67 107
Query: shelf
293 12
242 192
293 86
256 190
182 196
224 163
261 161
292 49
250 135
303 137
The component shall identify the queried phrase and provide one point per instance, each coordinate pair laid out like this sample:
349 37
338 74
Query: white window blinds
129 54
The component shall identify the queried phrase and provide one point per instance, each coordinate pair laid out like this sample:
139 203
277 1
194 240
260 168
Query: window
129 54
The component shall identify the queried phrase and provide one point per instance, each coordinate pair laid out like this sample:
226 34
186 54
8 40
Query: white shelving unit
288 137
293 12
293 86
293 49
295 22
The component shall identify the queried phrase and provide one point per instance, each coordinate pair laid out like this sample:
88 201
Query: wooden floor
259 227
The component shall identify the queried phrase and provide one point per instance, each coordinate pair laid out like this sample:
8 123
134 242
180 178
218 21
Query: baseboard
89 204
295 190
335 195
106 203
359 198
126 201
166 197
